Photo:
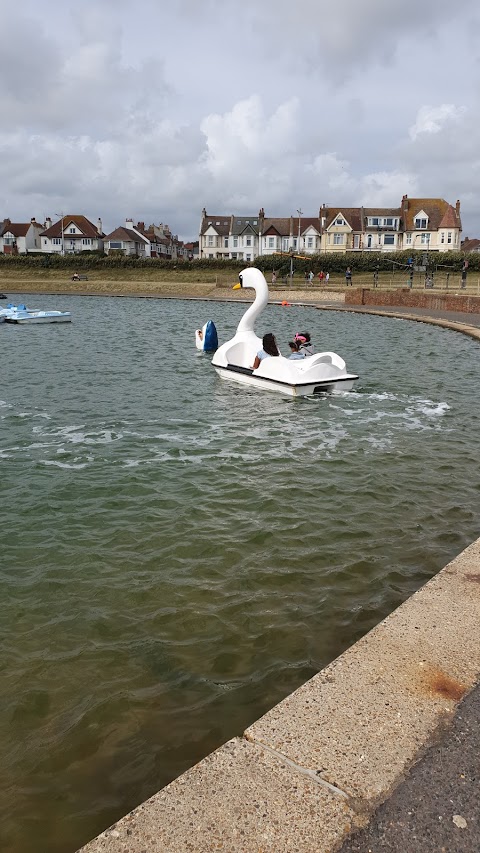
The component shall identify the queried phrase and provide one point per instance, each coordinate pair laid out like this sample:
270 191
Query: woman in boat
269 348
304 342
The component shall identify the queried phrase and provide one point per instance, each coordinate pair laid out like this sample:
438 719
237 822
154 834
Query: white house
130 240
18 238
72 234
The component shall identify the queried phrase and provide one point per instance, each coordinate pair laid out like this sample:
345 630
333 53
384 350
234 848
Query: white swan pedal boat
22 314
324 371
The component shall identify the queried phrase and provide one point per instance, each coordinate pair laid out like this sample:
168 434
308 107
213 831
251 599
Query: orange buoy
285 304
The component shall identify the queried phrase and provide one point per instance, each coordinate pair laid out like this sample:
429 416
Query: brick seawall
411 299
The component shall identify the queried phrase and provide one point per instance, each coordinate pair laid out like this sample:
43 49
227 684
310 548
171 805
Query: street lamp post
62 215
299 211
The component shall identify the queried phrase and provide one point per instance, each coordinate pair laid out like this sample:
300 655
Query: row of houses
418 224
427 224
73 233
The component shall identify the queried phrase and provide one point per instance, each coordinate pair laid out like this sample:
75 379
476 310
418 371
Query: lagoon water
179 553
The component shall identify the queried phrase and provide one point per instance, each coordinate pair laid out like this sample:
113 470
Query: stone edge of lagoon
316 766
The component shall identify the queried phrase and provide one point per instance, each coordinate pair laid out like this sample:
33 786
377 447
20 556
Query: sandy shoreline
160 290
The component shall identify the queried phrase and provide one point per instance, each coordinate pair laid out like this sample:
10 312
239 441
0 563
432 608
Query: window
270 242
310 242
114 245
294 243
87 241
210 240
356 241
235 242
45 242
56 241
442 237
225 242
374 220
210 256
420 223
369 241
388 221
71 230
389 240
285 244
339 221
338 239
449 237
408 239
248 257
425 239
248 241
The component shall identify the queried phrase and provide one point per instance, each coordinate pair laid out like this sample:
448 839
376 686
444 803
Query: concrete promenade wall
414 299
316 766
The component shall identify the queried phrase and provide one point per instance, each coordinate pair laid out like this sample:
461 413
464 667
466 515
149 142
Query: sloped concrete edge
317 765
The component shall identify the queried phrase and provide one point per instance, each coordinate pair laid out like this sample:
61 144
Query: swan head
251 277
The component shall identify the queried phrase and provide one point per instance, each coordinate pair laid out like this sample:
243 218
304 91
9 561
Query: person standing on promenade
348 276
274 277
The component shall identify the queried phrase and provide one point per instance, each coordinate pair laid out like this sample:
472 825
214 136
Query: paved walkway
437 808
454 316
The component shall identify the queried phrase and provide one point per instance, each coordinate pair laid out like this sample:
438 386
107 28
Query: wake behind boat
325 371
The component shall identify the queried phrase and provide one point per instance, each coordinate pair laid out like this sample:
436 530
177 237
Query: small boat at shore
20 314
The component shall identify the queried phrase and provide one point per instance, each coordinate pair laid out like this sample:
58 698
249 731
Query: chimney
32 220
204 214
48 223
140 226
129 223
99 226
457 207
322 215
261 213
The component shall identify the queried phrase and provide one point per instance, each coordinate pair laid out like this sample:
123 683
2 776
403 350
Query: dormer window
421 220
339 221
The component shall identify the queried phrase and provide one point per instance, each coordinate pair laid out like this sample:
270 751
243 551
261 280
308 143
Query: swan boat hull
321 372
303 387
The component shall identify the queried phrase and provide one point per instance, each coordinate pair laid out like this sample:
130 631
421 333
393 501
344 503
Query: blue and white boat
206 338
22 314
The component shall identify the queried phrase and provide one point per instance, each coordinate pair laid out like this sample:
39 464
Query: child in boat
269 348
295 350
304 342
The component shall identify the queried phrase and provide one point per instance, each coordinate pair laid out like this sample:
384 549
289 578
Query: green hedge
332 263
336 262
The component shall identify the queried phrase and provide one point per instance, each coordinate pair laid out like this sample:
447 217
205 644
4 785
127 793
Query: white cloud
433 119
158 115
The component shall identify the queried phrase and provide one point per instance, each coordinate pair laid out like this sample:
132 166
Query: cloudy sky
154 110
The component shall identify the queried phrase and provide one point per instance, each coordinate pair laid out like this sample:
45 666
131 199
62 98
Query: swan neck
247 323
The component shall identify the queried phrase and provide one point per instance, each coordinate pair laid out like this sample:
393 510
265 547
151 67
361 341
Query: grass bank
202 282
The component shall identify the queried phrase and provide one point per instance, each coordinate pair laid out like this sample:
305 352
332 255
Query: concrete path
394 310
437 808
